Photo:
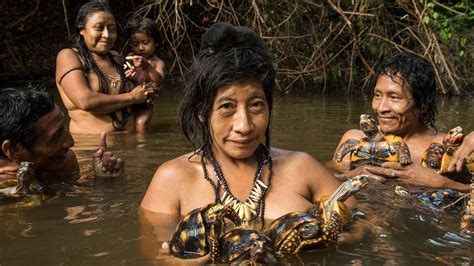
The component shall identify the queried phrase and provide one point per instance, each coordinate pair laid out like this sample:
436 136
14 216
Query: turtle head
350 187
454 137
368 125
256 248
310 230
401 191
218 212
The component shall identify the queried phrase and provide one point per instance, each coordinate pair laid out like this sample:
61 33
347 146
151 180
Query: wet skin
100 32
239 119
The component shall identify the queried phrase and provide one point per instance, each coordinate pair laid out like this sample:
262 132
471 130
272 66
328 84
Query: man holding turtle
404 103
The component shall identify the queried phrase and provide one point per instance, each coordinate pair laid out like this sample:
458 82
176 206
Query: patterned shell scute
189 239
236 244
282 227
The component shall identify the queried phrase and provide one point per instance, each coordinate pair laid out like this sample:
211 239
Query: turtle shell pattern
294 231
195 232
438 156
384 148
235 246
374 149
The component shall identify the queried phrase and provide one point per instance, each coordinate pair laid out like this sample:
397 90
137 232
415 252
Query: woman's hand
105 163
141 93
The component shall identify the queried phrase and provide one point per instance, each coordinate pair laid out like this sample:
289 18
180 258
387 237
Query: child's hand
138 61
130 73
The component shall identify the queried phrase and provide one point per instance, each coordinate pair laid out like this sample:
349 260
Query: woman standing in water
226 112
90 78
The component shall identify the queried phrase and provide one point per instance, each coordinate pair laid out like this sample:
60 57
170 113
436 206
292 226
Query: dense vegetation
319 45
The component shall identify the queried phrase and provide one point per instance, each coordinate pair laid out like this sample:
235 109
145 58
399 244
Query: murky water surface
97 223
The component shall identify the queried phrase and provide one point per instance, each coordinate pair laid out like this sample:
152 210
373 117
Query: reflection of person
227 109
33 131
147 66
90 78
404 103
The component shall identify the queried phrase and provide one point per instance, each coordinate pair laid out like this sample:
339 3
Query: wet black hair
418 76
19 110
147 26
90 64
228 55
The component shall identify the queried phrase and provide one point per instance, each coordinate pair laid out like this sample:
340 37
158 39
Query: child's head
144 37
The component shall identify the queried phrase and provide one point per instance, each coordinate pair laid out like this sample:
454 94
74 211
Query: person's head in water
96 33
229 55
32 128
145 39
405 93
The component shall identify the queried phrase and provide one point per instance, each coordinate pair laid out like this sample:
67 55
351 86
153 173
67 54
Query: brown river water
97 223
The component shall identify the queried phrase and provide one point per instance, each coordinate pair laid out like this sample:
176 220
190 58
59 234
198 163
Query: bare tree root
314 44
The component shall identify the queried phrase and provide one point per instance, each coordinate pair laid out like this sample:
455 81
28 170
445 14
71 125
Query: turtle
437 156
326 205
318 227
374 149
247 246
25 187
197 234
436 200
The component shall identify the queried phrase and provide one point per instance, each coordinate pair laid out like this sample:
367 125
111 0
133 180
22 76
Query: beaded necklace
113 80
116 122
254 205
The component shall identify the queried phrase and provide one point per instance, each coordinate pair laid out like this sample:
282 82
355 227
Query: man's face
394 107
52 146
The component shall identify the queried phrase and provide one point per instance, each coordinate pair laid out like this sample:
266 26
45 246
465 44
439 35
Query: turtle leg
230 214
214 242
346 147
403 153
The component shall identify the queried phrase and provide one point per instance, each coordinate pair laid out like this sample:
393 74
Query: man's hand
417 174
8 169
462 153
373 172
105 163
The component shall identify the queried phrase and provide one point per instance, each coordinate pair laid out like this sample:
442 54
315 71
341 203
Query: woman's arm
76 87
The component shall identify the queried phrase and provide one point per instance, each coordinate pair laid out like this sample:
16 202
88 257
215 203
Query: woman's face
239 119
394 107
100 32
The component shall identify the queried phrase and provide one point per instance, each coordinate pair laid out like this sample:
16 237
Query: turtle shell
190 237
198 232
432 156
374 149
284 231
236 244
378 150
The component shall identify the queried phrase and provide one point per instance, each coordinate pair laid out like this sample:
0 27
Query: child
147 67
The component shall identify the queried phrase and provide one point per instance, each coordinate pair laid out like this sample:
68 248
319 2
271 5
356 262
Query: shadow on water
98 223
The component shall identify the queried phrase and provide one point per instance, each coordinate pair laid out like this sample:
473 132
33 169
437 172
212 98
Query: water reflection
98 223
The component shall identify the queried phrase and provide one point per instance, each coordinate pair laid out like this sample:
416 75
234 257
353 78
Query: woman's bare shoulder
179 168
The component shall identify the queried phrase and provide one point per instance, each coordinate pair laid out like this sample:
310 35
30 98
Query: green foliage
451 20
